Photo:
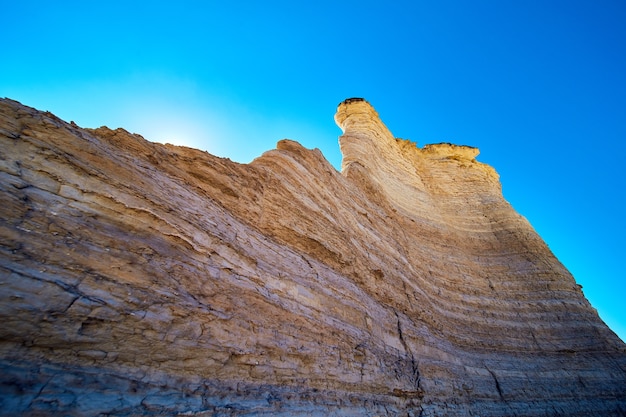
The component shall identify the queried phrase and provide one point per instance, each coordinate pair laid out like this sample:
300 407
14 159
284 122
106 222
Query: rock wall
144 279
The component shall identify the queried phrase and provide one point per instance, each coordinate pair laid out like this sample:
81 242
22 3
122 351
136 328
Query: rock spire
146 279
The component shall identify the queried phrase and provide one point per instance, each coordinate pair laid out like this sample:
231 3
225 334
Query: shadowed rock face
142 279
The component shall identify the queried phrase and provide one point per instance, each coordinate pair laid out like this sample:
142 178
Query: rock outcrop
143 279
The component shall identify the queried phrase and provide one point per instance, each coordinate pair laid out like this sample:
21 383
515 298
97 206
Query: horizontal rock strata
147 279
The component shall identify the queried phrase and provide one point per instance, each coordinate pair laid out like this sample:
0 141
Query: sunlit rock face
146 279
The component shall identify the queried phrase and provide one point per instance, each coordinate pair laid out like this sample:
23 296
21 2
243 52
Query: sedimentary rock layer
142 279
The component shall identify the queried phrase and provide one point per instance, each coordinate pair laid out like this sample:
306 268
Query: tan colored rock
143 279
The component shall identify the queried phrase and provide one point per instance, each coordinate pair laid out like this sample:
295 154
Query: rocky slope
143 279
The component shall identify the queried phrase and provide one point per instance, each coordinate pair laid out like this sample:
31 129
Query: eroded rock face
144 279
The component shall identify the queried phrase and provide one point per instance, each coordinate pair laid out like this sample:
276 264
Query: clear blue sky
538 86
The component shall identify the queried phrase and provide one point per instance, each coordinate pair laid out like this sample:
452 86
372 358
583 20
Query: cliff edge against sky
143 279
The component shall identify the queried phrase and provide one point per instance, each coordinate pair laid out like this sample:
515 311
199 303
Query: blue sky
538 86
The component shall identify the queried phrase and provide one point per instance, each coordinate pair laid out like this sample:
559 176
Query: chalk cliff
146 279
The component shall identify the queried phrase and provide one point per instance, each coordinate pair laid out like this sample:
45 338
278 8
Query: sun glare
168 124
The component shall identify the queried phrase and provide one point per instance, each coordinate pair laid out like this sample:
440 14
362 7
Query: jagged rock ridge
144 279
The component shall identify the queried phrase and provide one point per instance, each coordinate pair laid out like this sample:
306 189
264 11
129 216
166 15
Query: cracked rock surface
146 279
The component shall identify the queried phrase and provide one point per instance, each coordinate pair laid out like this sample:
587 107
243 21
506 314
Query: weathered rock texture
143 279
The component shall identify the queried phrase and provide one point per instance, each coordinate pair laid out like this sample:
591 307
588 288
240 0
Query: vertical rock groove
415 373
